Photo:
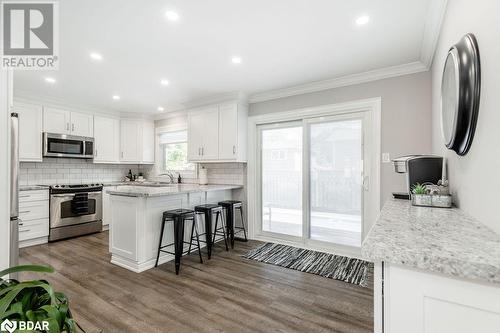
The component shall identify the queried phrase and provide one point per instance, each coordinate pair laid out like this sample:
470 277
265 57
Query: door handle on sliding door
366 183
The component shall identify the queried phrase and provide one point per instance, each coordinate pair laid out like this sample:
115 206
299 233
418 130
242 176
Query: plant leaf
27 268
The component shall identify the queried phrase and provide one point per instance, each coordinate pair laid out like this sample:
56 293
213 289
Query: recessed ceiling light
362 20
160 108
236 60
172 15
50 80
164 82
96 56
116 97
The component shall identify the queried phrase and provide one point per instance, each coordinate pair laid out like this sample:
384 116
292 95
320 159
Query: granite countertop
33 187
156 191
439 240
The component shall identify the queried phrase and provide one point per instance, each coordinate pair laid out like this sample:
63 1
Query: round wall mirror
460 92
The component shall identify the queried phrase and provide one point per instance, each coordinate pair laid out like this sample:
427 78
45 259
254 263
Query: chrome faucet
170 175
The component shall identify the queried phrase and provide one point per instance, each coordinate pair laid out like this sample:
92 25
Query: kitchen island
136 215
436 270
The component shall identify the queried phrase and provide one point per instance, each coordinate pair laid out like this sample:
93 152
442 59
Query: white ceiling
282 43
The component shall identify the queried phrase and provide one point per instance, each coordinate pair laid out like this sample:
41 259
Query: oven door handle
91 194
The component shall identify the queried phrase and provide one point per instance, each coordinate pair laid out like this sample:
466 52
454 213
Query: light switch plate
386 158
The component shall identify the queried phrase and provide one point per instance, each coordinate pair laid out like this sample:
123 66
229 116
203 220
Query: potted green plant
420 195
35 302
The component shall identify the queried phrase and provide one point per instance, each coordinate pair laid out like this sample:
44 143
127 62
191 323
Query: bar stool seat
208 210
179 217
229 207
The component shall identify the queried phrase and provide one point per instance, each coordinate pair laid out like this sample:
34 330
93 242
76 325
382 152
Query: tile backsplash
226 173
74 171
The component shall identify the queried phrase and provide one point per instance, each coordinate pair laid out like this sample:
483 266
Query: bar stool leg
243 223
192 233
197 240
230 225
223 228
178 241
208 232
161 240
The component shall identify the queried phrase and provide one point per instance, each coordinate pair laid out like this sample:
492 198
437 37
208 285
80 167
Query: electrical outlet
386 158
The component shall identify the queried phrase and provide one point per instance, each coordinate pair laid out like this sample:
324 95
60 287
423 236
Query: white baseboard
33 242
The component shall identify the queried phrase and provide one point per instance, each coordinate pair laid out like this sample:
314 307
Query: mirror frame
465 55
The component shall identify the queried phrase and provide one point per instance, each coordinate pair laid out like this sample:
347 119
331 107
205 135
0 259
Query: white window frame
372 110
185 174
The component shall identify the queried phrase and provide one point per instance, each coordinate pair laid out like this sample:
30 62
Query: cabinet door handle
234 150
67 126
24 196
72 127
122 154
25 230
96 153
199 151
25 211
202 151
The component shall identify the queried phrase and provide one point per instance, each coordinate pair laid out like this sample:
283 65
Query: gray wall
474 178
406 116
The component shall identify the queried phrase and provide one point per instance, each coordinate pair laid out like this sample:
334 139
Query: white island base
136 224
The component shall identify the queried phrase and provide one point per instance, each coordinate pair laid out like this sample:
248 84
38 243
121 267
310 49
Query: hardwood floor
226 294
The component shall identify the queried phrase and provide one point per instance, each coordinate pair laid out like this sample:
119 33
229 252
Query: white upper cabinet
56 121
228 131
217 133
30 132
136 141
82 124
65 122
106 140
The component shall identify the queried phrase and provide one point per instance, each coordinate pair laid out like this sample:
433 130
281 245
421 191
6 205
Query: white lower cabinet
34 217
416 301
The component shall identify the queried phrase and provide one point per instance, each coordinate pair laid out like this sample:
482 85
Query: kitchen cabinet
66 122
217 133
82 124
137 141
33 217
30 132
106 140
416 301
56 121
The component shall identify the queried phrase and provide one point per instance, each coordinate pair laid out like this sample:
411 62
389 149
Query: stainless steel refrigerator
14 190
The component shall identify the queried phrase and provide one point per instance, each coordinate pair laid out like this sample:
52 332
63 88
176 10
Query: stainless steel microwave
63 145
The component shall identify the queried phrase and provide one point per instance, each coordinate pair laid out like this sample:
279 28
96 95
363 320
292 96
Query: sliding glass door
281 160
311 180
335 180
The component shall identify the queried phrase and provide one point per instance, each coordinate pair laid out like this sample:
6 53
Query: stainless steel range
75 210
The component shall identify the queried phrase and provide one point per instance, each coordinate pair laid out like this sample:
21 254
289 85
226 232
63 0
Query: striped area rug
331 266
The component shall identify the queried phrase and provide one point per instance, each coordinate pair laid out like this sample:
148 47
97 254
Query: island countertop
439 240
158 191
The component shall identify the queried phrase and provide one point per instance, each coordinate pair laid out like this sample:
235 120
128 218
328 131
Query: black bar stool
179 216
208 210
229 207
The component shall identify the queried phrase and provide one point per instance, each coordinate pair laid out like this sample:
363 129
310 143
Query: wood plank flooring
226 294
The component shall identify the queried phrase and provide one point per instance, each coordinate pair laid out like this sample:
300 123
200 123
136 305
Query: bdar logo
8 326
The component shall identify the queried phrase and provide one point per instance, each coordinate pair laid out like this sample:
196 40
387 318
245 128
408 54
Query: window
173 153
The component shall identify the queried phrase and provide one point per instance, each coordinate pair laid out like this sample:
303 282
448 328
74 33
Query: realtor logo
8 326
30 37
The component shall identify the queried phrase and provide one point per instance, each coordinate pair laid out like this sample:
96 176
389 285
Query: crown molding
432 30
27 98
343 81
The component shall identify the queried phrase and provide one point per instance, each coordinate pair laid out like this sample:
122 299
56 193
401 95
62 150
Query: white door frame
372 108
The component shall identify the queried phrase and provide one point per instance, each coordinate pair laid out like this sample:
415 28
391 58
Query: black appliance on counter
418 169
